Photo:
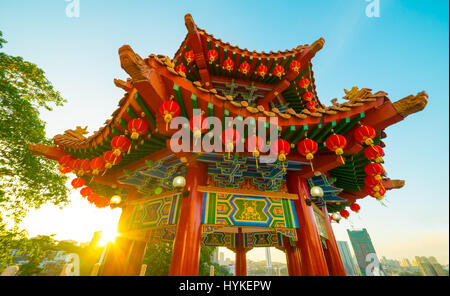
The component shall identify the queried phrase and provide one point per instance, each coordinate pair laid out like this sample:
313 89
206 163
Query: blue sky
402 52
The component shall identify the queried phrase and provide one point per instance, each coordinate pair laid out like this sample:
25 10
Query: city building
425 267
364 252
348 260
436 266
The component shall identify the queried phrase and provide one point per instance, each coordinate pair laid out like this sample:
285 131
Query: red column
240 267
334 261
292 258
186 247
311 252
124 256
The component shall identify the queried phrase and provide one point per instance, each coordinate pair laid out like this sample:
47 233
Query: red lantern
120 144
295 66
355 207
374 169
85 166
308 96
374 152
337 144
64 160
111 159
97 165
64 170
230 137
331 217
373 182
86 191
308 148
311 105
278 71
344 213
76 165
196 124
377 194
244 68
212 55
77 183
137 127
72 164
304 83
261 70
364 134
93 197
228 65
189 56
169 109
282 148
181 69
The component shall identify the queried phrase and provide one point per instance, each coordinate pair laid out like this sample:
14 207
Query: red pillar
240 266
311 252
186 247
124 256
334 261
292 258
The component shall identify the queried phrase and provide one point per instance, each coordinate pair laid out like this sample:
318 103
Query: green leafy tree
26 180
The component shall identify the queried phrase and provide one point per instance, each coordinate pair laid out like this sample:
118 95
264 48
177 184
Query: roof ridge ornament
411 104
190 24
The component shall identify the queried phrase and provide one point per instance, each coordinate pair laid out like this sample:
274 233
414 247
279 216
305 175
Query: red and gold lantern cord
189 56
212 56
196 126
295 66
255 144
304 83
137 127
262 70
308 148
168 110
282 148
365 134
337 143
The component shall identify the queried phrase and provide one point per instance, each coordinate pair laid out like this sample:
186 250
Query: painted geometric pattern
155 212
166 234
241 210
320 222
234 170
250 240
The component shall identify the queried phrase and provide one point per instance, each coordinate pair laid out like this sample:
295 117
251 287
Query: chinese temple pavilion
327 157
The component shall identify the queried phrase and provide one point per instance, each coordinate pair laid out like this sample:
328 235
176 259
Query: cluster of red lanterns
365 134
374 181
94 198
119 144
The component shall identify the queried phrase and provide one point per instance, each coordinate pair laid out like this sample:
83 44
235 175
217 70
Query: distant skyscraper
436 266
347 258
215 256
221 258
425 267
364 251
269 262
